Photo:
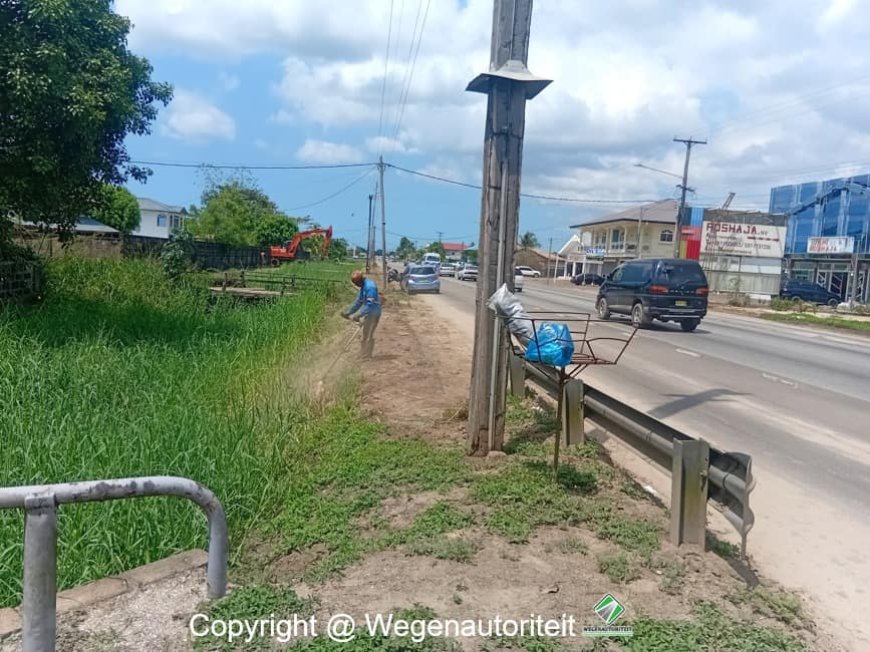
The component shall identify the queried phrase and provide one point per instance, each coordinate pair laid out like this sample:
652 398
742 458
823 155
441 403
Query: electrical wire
577 200
336 193
335 166
404 99
384 83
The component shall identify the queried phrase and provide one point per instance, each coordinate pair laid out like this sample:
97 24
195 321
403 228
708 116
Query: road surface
796 399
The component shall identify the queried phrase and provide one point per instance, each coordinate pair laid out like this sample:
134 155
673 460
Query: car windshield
422 271
471 268
679 273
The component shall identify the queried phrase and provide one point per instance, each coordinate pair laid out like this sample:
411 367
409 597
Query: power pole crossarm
689 142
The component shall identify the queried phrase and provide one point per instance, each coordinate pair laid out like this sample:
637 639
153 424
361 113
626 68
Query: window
175 222
635 273
617 274
616 236
161 220
666 236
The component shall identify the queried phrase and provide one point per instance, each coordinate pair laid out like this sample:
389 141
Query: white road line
777 379
689 353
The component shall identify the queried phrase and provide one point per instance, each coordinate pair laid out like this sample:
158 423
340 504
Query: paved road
796 399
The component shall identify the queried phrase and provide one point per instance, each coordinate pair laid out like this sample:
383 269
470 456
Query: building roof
82 225
146 204
660 212
454 246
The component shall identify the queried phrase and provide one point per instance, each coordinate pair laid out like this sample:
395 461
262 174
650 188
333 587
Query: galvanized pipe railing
40 503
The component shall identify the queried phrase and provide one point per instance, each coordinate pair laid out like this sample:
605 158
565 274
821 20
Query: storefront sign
831 245
735 239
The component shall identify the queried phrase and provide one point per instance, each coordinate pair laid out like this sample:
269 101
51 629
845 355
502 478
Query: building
454 252
158 220
645 231
536 258
828 237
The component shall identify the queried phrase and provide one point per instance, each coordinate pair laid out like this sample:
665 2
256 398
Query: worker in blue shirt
366 308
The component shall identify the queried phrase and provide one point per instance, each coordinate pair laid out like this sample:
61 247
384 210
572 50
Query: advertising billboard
735 239
840 245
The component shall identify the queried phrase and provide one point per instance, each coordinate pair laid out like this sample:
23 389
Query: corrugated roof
454 246
663 212
147 204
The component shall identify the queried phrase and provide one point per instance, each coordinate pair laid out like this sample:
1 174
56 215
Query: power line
336 193
334 166
577 200
404 99
384 83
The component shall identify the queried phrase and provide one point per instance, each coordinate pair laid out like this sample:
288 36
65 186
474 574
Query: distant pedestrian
366 309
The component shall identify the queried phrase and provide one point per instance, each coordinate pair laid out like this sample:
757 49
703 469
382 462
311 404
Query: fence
19 279
40 540
206 255
699 472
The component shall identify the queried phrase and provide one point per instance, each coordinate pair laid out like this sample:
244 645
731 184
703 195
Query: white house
158 220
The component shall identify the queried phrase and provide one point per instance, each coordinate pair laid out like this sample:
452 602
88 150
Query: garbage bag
552 345
505 304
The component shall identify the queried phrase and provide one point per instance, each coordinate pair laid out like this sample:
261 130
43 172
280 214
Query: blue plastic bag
552 345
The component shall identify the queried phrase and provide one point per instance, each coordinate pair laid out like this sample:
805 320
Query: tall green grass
120 373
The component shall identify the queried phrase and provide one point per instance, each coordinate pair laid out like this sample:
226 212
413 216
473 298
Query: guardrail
40 502
699 472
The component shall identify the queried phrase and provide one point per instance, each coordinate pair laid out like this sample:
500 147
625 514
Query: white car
519 280
447 269
528 271
467 273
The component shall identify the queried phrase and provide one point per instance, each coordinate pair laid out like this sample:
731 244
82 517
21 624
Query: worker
366 308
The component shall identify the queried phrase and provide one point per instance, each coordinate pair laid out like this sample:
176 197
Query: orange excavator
291 250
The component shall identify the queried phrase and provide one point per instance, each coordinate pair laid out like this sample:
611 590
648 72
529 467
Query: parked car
421 279
807 291
665 289
528 271
587 279
447 269
467 273
519 280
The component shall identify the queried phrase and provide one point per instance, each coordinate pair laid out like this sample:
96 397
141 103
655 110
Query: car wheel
638 318
689 325
833 302
603 309
795 299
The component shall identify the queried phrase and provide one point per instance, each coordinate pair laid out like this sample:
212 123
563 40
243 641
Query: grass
780 605
859 325
619 567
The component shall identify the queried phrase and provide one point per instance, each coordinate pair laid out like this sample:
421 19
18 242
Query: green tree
338 249
275 229
529 240
436 248
406 248
70 94
119 209
471 255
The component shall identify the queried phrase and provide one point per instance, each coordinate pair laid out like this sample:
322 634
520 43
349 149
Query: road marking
689 353
777 379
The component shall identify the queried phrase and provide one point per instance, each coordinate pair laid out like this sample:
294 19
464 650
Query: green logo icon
609 609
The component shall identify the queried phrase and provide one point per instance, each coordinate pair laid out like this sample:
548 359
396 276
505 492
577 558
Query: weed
619 567
572 545
457 599
724 549
442 547
673 576
632 489
813 320
783 606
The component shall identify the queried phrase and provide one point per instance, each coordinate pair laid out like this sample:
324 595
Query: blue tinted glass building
828 209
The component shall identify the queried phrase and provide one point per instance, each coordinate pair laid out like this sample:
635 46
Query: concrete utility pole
508 85
383 222
369 238
683 187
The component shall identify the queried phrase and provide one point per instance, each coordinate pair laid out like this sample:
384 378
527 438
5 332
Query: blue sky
294 83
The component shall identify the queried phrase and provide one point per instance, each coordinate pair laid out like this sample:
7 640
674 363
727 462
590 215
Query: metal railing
40 502
699 472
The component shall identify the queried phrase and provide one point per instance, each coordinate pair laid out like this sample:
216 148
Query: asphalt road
796 399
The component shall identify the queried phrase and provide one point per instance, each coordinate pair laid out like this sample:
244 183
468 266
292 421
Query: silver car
467 273
421 279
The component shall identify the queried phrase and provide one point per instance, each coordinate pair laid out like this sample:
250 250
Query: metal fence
19 279
698 471
206 255
40 502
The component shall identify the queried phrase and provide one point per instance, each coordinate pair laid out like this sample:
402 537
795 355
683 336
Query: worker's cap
356 277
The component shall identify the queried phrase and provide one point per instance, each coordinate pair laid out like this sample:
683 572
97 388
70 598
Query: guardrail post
573 416
40 573
691 461
517 374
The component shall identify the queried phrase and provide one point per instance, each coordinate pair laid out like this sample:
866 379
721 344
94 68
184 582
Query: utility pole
383 221
369 238
508 85
549 259
683 187
440 234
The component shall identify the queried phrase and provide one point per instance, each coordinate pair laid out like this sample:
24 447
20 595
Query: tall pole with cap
508 85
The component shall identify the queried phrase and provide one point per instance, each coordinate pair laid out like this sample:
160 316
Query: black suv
666 289
807 291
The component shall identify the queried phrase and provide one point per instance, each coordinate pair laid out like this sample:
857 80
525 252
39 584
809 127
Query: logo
609 609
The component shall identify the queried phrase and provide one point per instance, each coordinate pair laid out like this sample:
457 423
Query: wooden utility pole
508 85
369 238
684 187
383 222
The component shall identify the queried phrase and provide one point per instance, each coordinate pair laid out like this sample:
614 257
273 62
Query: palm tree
529 240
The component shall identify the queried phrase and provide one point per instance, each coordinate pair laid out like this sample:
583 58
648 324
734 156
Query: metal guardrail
40 502
699 472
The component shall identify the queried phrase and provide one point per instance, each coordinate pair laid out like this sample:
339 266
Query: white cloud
194 119
324 152
628 76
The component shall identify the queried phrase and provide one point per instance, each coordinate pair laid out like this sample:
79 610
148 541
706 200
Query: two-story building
645 231
158 220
